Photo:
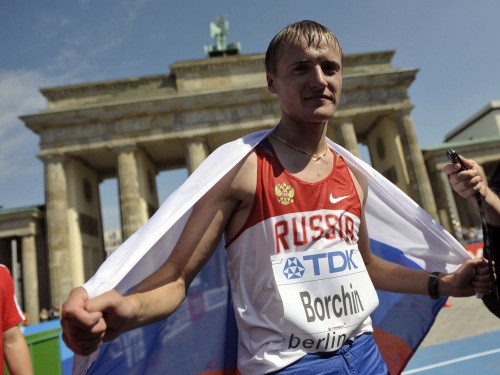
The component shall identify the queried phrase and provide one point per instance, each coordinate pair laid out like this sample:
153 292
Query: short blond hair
313 32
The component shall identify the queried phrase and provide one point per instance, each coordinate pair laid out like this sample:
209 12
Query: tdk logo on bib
331 262
293 269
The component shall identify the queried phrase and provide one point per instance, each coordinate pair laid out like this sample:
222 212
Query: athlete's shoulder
246 173
359 180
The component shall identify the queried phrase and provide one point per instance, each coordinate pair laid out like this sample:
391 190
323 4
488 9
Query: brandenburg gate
134 128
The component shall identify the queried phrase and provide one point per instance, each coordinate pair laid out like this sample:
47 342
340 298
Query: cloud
19 95
130 10
70 62
83 3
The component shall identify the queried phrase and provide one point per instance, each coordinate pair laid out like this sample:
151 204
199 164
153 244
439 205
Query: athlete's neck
307 137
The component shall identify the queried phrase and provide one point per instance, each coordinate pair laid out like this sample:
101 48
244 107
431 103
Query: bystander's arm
16 352
468 184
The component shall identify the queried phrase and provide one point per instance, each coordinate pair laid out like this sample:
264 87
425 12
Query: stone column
30 278
129 189
421 190
60 260
196 152
346 135
452 221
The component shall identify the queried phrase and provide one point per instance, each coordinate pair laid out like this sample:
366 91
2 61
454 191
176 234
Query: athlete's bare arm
472 277
89 322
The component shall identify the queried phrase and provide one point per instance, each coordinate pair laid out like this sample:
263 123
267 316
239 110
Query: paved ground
473 355
465 339
465 317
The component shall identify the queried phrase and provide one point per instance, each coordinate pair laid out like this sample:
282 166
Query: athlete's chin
313 115
322 115
327 110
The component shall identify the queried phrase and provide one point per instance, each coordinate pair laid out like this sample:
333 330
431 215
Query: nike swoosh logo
337 200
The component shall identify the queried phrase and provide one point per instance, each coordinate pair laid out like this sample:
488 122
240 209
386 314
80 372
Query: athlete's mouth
326 97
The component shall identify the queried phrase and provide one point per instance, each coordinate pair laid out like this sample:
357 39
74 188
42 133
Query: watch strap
432 285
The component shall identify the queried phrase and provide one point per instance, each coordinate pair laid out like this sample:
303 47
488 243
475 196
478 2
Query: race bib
326 295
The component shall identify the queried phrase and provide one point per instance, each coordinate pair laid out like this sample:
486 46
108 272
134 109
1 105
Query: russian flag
201 336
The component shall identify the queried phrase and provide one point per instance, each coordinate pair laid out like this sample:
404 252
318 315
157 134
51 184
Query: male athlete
292 194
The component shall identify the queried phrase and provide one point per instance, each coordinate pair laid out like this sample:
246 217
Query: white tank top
298 282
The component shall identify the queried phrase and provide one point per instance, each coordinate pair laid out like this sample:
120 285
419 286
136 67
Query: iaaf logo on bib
337 261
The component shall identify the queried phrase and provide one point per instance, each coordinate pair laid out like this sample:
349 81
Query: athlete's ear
270 83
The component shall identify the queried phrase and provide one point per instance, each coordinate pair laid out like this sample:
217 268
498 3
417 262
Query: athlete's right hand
87 323
82 331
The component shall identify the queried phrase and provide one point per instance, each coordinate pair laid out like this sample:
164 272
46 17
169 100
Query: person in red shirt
14 347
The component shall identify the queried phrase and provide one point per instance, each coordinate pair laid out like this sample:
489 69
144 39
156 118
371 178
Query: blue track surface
474 355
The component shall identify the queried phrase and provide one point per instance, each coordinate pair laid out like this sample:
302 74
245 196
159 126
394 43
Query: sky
455 44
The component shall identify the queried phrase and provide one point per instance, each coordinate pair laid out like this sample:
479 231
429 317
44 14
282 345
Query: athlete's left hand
472 277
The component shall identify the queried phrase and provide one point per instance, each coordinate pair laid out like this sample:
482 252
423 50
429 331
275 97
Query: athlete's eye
330 67
300 68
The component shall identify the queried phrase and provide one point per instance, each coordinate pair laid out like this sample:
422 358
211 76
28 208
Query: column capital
195 139
53 157
124 147
401 112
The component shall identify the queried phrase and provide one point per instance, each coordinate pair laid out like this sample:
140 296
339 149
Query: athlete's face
307 81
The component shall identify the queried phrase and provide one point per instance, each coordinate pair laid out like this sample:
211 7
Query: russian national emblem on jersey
284 193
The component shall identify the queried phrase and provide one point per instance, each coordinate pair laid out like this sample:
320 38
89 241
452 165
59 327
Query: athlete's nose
319 77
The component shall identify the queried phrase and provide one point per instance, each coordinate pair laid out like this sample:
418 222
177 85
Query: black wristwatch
433 285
